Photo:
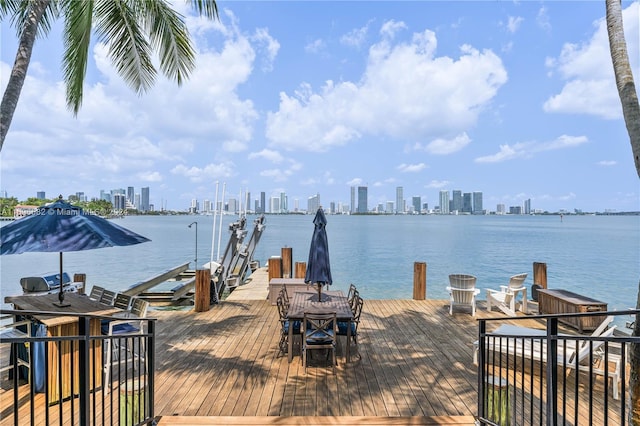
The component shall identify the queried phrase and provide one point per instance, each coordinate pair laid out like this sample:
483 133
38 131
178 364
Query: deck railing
546 377
68 382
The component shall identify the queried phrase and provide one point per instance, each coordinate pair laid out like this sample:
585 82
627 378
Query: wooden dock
223 367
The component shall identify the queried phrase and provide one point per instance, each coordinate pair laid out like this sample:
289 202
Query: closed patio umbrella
61 227
318 266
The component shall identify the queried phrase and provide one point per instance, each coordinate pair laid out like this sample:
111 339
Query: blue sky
514 99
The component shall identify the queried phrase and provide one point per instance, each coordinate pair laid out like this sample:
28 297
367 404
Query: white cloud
438 184
527 149
355 37
440 98
607 163
267 154
543 19
202 174
411 168
315 46
589 86
442 146
269 45
514 23
355 182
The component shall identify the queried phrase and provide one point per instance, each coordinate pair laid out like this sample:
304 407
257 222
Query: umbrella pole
61 292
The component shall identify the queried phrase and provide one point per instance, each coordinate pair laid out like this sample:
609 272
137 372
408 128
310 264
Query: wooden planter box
567 302
293 285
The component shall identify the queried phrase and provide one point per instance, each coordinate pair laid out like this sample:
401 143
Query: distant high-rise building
193 207
274 205
263 204
332 207
500 209
416 202
247 201
313 203
362 199
119 202
477 203
284 207
232 205
131 194
144 199
39 195
467 203
389 209
515 210
399 200
456 200
104 195
527 206
444 202
352 207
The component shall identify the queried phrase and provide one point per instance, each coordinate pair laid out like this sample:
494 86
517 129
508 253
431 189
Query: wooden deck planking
414 366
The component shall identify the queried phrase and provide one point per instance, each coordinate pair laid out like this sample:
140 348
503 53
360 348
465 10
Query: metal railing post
552 371
481 373
84 330
151 354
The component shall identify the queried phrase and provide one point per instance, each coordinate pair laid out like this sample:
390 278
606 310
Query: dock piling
419 280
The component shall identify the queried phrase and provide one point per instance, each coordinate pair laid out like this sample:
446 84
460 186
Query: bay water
596 256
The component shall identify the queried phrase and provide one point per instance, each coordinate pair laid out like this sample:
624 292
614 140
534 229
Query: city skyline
456 202
514 99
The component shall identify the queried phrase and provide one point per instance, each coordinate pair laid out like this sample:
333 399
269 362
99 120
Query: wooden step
314 420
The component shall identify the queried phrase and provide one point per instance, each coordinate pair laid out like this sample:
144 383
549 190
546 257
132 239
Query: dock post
540 274
203 290
81 278
287 254
419 280
275 267
301 269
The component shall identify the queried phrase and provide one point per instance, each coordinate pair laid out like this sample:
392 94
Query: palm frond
118 25
77 38
208 8
170 37
20 11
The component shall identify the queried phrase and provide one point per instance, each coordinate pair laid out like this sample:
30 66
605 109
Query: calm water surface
598 256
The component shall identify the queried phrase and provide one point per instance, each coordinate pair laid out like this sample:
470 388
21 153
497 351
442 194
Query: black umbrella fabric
318 266
61 227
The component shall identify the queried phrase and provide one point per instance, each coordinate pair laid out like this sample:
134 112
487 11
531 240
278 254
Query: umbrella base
323 298
62 304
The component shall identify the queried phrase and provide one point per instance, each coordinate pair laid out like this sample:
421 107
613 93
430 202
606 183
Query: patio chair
343 326
12 329
505 298
121 344
573 354
96 293
462 292
122 301
108 297
319 332
284 325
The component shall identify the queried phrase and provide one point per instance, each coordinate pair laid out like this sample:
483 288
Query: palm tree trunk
20 66
631 113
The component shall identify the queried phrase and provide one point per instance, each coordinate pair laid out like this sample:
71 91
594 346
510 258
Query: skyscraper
313 203
456 202
144 199
362 199
352 207
263 203
477 203
40 195
131 194
444 202
416 202
399 200
467 203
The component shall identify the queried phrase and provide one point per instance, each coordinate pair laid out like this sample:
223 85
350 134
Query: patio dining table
60 355
303 301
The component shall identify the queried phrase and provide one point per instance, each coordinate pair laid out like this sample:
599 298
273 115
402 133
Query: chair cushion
122 328
315 337
296 326
343 328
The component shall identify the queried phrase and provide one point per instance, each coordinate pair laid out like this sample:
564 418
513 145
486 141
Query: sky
516 100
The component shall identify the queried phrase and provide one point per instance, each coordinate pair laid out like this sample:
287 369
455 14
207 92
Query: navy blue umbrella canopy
319 266
61 227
